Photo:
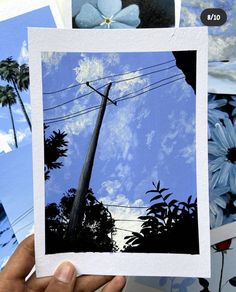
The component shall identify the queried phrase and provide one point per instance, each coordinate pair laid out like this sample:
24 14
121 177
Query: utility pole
77 212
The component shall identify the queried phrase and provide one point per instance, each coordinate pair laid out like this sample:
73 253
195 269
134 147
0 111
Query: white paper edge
223 232
138 40
14 8
68 13
177 12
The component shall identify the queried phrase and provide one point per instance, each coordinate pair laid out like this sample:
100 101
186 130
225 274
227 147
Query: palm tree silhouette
8 98
18 76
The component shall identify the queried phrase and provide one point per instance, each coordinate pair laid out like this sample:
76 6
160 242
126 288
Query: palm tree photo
18 76
7 99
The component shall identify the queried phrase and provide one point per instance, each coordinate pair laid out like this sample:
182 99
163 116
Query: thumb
63 280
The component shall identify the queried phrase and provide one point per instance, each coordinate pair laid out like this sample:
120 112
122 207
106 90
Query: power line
22 216
73 99
142 75
122 229
159 81
152 89
109 76
24 227
114 82
90 109
127 220
124 206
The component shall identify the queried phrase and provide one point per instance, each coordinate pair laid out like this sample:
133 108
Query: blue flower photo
123 14
222 159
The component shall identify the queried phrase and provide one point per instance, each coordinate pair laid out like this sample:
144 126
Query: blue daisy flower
108 14
233 103
214 114
218 202
222 155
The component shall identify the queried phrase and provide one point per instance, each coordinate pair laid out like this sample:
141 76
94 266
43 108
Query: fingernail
65 272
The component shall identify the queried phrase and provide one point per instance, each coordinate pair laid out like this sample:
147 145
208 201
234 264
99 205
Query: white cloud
7 142
110 186
112 59
119 145
89 69
24 54
222 39
124 214
181 124
149 137
189 152
51 60
168 142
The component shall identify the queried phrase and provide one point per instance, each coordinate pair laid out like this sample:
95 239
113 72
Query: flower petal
89 17
216 164
219 218
232 179
224 173
214 149
214 180
109 7
129 16
120 25
217 137
221 132
221 202
231 132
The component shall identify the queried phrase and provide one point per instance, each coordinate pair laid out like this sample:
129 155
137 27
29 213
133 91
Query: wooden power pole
78 208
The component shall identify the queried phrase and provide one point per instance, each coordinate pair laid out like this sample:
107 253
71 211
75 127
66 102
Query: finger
91 283
63 280
38 284
117 284
21 262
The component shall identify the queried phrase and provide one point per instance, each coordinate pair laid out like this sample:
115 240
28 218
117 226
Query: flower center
231 155
108 20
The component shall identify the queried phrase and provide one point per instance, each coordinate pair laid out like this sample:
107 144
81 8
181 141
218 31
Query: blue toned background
143 140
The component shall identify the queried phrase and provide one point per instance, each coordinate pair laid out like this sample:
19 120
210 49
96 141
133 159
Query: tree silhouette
18 76
96 232
7 99
55 147
170 226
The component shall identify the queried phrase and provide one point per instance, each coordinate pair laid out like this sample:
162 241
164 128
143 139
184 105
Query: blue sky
8 243
142 140
14 43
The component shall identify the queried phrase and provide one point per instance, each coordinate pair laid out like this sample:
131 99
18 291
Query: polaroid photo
120 151
105 14
8 241
15 17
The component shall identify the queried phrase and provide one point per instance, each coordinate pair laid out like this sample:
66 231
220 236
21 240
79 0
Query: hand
12 279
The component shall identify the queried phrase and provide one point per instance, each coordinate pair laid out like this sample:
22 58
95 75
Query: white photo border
148 40
14 8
